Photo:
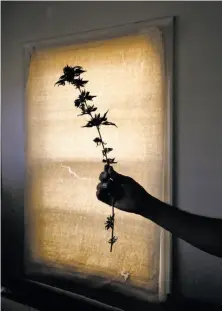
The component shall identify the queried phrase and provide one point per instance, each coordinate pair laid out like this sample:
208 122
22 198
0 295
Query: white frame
166 25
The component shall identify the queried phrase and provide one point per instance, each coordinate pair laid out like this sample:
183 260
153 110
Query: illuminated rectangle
65 219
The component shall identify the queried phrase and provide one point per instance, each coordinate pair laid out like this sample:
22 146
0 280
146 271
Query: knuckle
100 176
98 194
103 176
98 187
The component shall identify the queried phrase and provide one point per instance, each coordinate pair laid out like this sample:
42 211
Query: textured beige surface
65 220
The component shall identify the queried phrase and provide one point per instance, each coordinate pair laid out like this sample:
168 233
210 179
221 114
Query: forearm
202 232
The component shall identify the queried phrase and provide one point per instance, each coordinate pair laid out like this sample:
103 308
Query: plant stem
100 136
112 234
113 215
98 129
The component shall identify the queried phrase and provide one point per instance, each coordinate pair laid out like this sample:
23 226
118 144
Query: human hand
126 194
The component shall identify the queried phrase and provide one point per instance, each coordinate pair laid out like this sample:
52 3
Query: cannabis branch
72 75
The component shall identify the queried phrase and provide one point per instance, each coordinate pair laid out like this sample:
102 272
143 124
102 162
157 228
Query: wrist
151 208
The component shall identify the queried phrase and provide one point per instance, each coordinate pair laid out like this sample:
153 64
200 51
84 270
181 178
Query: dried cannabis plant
72 75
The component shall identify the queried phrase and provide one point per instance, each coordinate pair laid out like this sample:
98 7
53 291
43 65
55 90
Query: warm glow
67 220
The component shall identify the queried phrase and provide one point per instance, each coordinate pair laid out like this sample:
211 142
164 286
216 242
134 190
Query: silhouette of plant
71 75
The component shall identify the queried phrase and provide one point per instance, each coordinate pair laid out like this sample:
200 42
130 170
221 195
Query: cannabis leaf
98 141
61 82
113 240
109 222
109 123
95 121
104 118
78 70
77 103
109 161
69 74
87 110
106 150
85 96
79 83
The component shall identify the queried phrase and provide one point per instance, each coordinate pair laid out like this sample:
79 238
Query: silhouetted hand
124 191
202 232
